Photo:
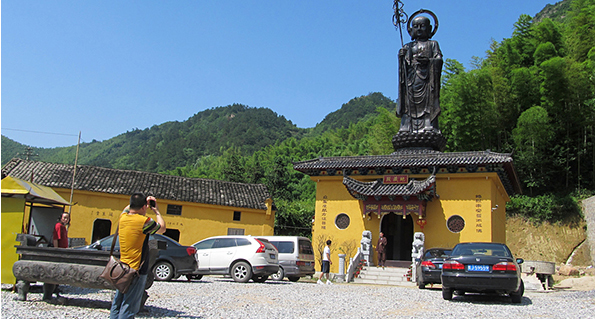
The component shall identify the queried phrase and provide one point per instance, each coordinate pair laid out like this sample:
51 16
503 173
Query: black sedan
429 268
171 262
482 268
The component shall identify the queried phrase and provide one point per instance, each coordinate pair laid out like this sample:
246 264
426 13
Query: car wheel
260 279
293 279
163 271
195 277
241 272
420 284
278 275
446 293
517 297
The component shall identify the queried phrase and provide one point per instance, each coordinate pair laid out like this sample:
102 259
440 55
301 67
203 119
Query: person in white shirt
326 263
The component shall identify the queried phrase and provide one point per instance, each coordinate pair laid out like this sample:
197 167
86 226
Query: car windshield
437 253
284 247
481 250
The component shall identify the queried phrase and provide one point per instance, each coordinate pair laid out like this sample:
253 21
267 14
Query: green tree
532 136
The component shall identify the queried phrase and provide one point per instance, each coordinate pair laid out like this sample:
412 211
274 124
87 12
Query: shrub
542 208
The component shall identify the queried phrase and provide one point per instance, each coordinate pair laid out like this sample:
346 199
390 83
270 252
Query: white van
296 257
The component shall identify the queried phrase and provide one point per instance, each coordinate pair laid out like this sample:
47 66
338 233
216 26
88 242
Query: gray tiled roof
416 160
377 188
405 159
126 182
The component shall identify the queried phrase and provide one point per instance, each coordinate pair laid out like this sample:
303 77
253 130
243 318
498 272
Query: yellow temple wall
469 195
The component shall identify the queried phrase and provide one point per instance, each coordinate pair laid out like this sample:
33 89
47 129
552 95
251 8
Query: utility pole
76 158
28 153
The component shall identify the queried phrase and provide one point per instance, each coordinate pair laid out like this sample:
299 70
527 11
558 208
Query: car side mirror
98 246
519 261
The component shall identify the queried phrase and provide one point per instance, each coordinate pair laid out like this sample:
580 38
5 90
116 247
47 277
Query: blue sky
107 67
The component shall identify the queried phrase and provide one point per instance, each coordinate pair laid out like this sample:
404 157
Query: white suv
241 257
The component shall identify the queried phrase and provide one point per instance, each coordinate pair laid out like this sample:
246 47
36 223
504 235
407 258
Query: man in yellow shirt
135 228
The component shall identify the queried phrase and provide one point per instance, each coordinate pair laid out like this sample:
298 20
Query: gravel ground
219 297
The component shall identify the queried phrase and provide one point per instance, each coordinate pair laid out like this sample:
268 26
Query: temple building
450 197
193 208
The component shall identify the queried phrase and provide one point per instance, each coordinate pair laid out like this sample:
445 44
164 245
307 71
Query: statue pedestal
433 140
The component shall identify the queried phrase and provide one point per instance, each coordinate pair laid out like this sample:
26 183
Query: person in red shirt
60 238
60 235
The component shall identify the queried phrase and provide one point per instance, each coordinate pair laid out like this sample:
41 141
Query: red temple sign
395 179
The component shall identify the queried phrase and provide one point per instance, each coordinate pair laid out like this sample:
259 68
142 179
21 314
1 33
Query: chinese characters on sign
324 201
174 224
478 216
395 179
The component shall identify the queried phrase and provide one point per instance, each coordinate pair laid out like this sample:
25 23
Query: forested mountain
172 144
210 132
356 109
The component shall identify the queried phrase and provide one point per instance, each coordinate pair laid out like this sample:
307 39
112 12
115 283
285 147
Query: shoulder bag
119 274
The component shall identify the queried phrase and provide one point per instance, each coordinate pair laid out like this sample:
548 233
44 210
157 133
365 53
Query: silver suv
296 257
241 257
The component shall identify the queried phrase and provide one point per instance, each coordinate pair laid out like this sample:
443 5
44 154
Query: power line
39 132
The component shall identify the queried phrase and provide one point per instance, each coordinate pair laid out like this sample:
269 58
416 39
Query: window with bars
174 209
235 231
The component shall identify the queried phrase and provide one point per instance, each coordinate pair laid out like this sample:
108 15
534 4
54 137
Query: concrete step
387 276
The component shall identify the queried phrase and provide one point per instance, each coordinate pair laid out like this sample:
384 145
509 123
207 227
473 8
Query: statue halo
419 12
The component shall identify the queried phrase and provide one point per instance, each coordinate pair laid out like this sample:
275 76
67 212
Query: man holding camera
134 230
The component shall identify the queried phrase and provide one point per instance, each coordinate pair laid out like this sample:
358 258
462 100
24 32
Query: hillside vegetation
553 242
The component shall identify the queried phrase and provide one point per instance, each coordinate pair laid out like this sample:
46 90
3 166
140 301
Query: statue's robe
419 86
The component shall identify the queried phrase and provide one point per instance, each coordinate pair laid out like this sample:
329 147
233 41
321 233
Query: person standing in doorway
60 234
326 264
134 230
381 250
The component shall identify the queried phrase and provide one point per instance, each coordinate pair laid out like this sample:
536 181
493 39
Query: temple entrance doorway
399 235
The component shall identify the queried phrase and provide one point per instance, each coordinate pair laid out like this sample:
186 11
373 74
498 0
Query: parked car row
468 267
172 262
472 267
241 257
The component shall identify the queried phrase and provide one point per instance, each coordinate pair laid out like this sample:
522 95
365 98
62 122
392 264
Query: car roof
283 237
481 243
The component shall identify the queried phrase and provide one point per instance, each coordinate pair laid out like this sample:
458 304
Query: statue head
421 29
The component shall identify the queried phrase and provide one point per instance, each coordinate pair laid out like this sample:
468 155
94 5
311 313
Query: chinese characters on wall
323 222
478 215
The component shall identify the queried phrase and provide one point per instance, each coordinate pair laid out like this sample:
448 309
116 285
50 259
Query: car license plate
478 268
273 256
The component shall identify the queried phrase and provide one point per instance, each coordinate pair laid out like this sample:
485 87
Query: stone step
393 278
384 282
388 276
